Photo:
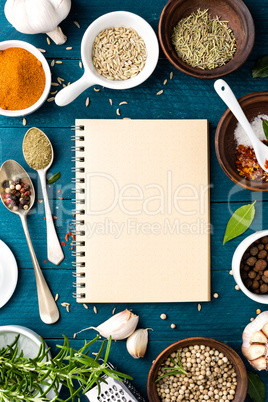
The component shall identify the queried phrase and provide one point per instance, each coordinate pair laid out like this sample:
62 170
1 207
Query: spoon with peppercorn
18 196
38 153
228 97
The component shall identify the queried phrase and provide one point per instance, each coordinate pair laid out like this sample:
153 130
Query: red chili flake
59 191
61 198
67 237
55 217
247 164
266 164
45 261
63 243
74 215
45 218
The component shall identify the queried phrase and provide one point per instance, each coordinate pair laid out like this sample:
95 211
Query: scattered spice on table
202 41
22 79
37 149
16 194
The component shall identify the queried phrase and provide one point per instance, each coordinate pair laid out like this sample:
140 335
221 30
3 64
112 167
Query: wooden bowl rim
255 186
220 71
221 346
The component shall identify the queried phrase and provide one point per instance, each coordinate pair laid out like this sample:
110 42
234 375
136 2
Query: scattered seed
42 50
258 311
231 272
215 295
111 102
60 80
80 64
74 336
163 316
77 24
160 92
69 48
24 121
48 41
87 102
51 99
53 93
52 63
126 118
56 297
95 310
64 85
173 326
97 89
58 62
85 305
95 354
69 83
118 112
171 75
199 307
165 81
55 84
68 309
113 310
123 103
65 304
252 319
237 287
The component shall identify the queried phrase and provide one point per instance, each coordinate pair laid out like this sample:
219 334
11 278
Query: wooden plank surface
183 98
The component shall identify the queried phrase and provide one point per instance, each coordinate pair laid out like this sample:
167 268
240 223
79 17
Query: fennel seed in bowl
202 41
119 53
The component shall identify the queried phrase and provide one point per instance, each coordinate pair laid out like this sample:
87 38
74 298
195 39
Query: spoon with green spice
39 155
10 172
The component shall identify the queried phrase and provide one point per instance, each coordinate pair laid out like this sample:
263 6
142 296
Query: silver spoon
54 250
228 97
48 309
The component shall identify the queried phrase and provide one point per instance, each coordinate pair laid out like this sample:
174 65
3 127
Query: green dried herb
239 222
256 388
265 127
203 42
260 70
54 178
37 149
176 369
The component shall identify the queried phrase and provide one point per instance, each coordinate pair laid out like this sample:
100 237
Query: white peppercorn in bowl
230 356
236 266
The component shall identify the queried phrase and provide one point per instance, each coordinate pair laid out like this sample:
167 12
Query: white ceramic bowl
29 342
32 49
237 257
91 76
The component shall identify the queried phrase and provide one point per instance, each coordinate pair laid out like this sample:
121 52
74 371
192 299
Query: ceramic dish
8 273
233 11
29 342
32 49
237 257
253 105
242 382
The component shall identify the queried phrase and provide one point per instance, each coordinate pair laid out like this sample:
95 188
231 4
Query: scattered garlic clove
137 343
254 351
265 329
259 364
258 337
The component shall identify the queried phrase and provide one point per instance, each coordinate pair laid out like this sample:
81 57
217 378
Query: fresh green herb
30 379
265 127
177 369
54 178
202 41
256 388
239 222
260 70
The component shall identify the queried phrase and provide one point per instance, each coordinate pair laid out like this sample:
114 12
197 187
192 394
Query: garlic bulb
255 342
119 326
137 343
38 16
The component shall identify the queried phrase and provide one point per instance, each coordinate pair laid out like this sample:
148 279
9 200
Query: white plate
8 273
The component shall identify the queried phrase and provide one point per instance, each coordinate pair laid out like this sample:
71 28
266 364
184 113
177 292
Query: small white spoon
228 97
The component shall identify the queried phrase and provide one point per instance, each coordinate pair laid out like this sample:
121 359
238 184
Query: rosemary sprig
177 369
24 379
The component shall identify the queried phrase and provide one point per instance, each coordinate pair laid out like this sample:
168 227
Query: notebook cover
145 227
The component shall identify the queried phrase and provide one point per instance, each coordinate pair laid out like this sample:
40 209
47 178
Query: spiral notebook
142 211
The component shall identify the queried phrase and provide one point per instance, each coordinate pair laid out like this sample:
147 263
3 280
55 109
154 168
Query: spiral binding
78 211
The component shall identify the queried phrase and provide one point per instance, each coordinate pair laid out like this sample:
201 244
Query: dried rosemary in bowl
203 42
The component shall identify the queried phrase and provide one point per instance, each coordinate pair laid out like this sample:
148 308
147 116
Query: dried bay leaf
239 222
256 388
260 70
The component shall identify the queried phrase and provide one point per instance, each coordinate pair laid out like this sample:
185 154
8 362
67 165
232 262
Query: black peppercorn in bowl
239 20
222 351
250 266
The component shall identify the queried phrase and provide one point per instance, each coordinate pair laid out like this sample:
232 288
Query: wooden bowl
233 11
253 105
241 372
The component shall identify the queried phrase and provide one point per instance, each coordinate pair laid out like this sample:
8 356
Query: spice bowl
47 85
253 105
229 353
239 20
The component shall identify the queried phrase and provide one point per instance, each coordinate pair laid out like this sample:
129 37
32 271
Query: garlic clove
57 36
265 329
259 364
137 343
258 337
254 351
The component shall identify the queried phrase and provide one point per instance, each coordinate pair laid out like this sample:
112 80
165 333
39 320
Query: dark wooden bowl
252 104
234 11
241 372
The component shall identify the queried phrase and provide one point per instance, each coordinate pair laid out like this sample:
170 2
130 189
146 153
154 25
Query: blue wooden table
184 98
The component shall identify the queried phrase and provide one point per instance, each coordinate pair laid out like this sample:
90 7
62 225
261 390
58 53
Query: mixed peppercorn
16 194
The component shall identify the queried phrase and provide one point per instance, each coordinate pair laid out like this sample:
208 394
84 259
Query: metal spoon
54 250
228 97
48 309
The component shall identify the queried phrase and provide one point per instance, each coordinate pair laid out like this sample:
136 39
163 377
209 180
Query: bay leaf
239 222
256 388
265 127
54 178
260 70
